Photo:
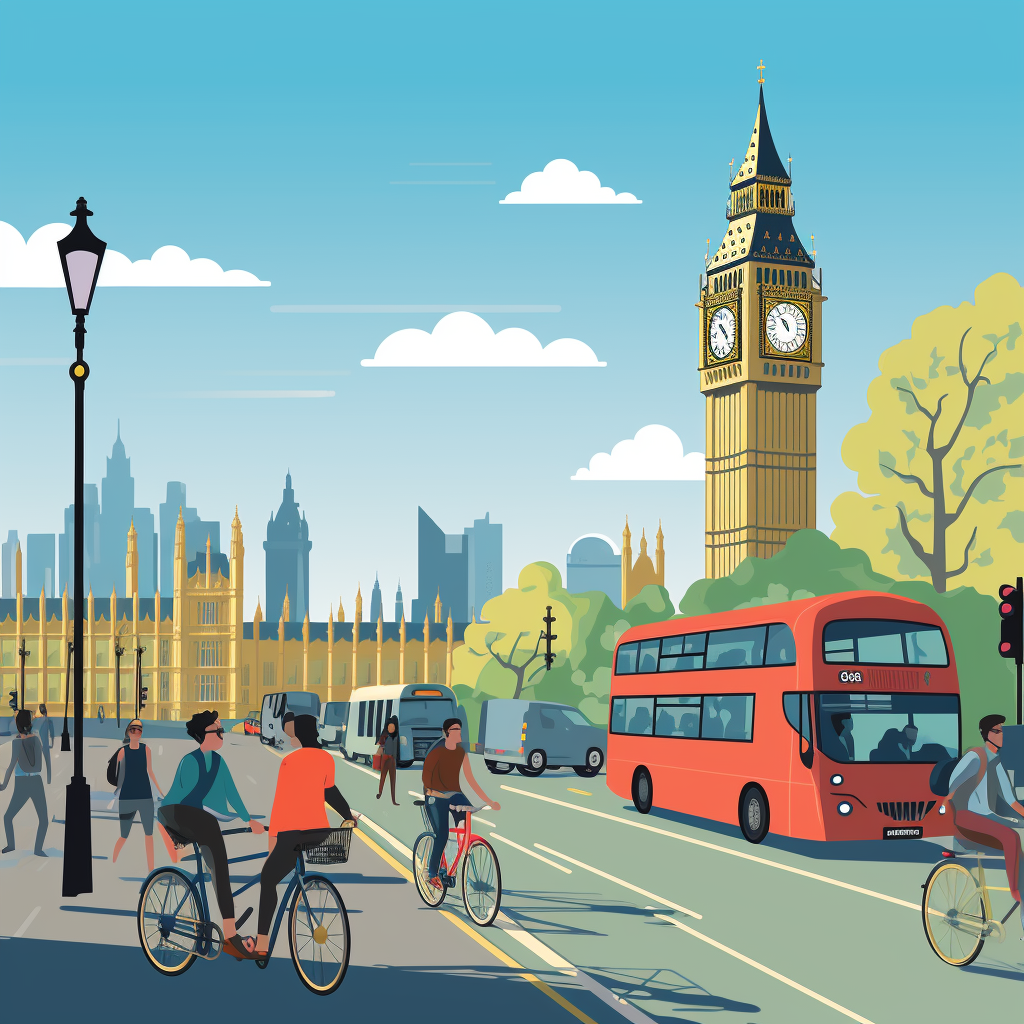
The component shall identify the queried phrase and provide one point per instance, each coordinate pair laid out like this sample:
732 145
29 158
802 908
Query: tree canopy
940 461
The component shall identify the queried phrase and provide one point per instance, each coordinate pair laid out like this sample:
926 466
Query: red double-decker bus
818 719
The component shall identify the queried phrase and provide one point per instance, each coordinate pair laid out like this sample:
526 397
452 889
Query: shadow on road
645 986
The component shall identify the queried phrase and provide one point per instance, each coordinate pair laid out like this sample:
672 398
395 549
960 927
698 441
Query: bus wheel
643 790
754 814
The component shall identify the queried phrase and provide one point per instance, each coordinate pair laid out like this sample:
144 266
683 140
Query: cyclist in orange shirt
304 784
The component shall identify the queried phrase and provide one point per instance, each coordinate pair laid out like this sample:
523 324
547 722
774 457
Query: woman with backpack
974 786
26 763
133 765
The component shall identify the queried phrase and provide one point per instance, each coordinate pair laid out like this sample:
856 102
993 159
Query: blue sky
265 136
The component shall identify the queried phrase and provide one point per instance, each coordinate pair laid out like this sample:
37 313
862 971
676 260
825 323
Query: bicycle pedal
450 881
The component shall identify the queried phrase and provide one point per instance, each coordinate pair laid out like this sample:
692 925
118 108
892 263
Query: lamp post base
77 839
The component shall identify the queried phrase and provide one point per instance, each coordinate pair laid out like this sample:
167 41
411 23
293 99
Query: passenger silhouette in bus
690 724
618 715
839 744
731 658
640 724
714 724
896 745
666 724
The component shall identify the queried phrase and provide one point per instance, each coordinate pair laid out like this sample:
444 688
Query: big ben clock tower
760 366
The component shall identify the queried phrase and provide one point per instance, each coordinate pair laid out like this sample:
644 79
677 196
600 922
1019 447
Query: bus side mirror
806 756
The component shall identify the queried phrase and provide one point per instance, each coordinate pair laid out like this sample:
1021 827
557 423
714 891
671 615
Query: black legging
202 827
279 862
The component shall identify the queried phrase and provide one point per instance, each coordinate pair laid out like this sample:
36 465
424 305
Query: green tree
811 565
949 503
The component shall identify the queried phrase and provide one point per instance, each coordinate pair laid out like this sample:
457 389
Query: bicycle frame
465 836
296 882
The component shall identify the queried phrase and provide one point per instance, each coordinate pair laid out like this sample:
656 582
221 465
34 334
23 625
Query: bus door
803 797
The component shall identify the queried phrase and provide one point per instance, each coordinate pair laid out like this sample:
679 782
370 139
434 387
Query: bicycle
956 908
481 874
175 927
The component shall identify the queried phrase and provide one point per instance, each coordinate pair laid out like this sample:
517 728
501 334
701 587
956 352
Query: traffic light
13 702
1011 611
548 636
143 696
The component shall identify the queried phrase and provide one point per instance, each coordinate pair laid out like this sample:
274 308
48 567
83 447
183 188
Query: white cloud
562 181
35 264
465 339
655 453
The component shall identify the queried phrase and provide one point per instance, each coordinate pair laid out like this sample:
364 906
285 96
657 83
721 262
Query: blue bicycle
175 928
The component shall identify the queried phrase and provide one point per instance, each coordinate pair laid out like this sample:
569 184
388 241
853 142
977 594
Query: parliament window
165 686
775 279
758 275
208 613
165 652
803 279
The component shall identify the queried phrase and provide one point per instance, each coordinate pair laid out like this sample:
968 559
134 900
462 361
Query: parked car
334 723
251 724
299 702
531 735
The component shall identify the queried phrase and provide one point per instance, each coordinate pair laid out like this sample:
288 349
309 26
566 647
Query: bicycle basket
333 850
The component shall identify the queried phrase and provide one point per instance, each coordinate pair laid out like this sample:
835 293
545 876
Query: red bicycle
481 875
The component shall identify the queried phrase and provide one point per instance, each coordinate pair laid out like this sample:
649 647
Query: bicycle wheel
422 848
481 883
169 919
953 912
318 935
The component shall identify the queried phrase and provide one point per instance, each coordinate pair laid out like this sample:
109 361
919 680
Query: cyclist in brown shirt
442 789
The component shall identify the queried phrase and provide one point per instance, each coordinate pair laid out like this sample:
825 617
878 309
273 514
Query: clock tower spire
760 365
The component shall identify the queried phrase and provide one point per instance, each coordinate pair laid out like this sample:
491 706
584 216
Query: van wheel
643 790
527 771
595 759
498 767
536 761
754 814
404 764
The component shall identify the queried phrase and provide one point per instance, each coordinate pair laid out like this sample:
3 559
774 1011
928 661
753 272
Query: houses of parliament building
195 648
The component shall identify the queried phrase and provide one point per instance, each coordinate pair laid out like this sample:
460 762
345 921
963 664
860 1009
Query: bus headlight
836 780
942 808
405 741
845 808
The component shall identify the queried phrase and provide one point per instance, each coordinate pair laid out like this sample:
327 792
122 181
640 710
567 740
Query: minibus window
362 717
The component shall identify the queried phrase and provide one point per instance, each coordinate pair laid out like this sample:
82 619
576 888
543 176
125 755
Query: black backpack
938 781
112 768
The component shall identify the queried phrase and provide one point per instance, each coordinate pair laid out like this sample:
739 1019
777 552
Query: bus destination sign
850 677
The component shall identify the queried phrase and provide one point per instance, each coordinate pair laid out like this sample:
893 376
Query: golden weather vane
760 70
707 255
731 162
814 252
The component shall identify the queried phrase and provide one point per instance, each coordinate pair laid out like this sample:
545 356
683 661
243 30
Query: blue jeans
437 810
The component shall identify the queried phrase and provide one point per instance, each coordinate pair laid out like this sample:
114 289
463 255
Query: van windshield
335 713
419 712
302 703
889 727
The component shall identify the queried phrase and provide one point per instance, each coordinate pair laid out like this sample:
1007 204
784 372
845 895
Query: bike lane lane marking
530 853
719 849
621 881
765 970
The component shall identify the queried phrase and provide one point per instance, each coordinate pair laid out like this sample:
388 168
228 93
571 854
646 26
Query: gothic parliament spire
760 364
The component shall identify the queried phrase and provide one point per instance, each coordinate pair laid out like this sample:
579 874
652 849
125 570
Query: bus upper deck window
883 642
625 659
682 653
649 650
736 648
781 649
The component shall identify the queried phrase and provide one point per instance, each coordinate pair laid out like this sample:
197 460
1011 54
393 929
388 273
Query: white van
421 711
298 702
334 723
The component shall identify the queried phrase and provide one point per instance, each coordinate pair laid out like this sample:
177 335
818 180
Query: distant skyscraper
7 550
287 547
91 553
464 568
41 564
376 603
484 557
196 532
594 563
399 604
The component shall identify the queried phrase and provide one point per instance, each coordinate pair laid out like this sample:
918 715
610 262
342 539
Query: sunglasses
135 728
219 732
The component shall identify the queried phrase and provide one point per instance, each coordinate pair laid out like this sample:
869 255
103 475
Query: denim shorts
126 811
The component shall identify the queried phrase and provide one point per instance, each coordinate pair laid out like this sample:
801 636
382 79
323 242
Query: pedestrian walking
26 763
43 728
135 794
387 751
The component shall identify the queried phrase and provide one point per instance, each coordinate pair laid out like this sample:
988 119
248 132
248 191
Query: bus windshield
889 727
883 642
418 712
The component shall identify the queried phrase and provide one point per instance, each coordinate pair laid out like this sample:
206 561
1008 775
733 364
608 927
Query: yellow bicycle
956 908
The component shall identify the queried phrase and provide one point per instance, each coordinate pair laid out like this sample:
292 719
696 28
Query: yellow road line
719 849
765 970
621 881
582 792
480 940
525 975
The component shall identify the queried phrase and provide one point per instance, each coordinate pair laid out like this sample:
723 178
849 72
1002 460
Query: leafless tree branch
915 545
963 568
970 490
908 478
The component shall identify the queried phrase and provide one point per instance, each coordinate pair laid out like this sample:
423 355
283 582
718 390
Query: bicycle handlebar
235 831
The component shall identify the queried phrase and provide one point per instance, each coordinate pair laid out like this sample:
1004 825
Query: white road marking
765 970
358 767
484 821
621 881
412 792
25 924
160 749
530 853
531 942
720 849
399 846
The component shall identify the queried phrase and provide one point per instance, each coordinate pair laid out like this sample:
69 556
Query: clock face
786 327
722 332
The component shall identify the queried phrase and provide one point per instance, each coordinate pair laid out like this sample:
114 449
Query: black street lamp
81 254
118 652
65 738
23 652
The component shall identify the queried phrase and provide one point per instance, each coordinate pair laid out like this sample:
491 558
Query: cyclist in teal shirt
203 781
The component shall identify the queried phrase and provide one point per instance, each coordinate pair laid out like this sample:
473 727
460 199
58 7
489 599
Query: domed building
594 563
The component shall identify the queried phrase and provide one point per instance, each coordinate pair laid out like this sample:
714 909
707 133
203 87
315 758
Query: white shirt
967 769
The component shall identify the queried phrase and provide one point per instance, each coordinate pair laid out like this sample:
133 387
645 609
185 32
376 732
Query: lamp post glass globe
81 255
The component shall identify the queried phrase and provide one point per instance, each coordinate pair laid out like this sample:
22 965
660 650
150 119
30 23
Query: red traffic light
1006 590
